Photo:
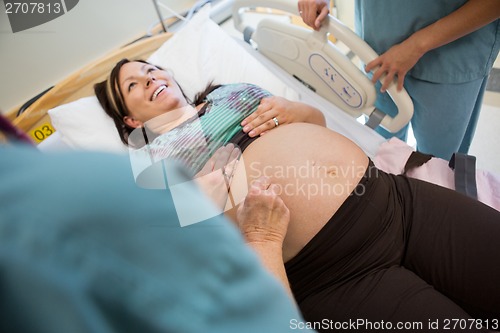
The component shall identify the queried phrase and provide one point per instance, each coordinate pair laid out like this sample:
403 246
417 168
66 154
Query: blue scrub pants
445 116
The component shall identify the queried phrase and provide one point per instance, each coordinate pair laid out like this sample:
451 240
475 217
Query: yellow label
42 132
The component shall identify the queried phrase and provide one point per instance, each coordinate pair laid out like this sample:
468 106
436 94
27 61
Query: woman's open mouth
158 91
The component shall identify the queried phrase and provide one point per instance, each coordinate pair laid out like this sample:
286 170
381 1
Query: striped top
194 141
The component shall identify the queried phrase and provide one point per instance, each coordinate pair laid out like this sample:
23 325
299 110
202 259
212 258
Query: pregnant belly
316 170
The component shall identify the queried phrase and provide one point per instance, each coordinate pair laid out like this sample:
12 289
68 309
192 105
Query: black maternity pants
400 252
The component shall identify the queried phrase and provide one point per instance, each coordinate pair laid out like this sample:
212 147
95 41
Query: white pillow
197 54
83 124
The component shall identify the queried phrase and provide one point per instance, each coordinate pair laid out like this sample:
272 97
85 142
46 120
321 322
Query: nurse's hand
263 216
263 220
313 12
215 178
395 64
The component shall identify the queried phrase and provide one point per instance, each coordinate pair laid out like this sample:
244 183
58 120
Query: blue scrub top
84 249
384 23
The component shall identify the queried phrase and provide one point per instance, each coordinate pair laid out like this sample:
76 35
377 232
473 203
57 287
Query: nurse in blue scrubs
84 249
441 51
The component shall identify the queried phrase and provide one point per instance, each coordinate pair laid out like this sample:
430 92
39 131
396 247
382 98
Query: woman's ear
132 122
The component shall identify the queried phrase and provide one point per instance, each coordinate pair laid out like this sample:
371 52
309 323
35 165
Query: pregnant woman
359 243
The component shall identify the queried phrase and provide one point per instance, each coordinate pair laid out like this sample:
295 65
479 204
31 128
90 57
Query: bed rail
303 52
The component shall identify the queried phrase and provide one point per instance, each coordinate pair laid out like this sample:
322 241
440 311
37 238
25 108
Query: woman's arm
285 112
400 58
263 220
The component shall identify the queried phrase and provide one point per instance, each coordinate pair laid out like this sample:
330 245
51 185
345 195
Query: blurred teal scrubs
447 84
84 249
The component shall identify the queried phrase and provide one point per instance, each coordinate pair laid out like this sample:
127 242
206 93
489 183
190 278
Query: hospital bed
69 116
288 60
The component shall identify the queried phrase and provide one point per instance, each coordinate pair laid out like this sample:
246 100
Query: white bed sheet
200 52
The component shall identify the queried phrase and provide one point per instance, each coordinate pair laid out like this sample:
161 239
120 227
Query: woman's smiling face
148 92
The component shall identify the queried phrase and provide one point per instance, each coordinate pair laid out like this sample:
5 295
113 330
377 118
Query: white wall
35 59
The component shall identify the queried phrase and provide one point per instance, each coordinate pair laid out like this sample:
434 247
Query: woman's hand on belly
275 111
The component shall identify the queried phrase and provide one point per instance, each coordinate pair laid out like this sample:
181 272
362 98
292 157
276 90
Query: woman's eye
130 86
151 69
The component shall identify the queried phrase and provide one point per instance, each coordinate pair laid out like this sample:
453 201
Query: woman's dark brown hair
110 97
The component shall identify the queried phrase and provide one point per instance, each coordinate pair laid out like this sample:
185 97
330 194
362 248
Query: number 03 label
42 132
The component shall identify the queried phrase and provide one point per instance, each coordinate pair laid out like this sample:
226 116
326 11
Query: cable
185 19
159 15
196 7
173 12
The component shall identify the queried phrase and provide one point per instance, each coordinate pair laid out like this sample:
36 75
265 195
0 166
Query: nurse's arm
400 58
263 220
